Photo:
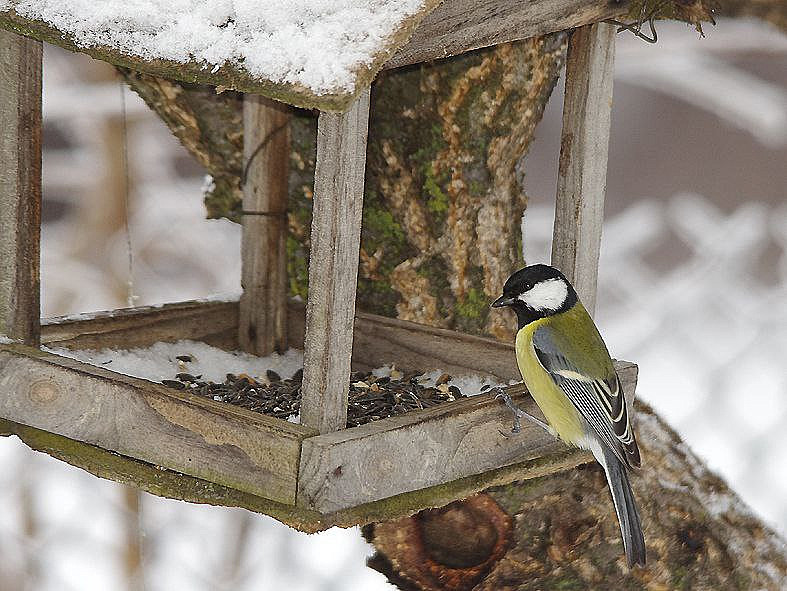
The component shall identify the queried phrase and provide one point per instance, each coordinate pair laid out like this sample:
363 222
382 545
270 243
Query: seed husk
370 397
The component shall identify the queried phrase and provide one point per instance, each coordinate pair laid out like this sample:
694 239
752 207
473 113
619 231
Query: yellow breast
557 408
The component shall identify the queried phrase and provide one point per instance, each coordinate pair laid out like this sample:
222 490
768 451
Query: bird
569 373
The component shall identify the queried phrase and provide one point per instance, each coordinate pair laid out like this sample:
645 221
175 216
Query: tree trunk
560 532
443 195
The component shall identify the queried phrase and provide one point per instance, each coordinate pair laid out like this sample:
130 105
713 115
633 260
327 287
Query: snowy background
693 287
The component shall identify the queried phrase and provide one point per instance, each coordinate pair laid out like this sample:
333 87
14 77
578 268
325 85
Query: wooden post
20 187
333 265
582 173
266 153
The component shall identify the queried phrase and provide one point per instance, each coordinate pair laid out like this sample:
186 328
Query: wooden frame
20 186
417 453
464 25
584 147
333 264
136 418
266 153
317 471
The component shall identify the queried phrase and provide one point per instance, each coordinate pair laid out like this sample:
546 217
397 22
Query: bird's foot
519 413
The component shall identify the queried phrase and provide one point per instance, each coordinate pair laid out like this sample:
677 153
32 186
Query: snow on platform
162 361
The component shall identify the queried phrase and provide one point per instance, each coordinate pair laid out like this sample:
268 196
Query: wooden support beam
218 442
266 153
214 323
582 171
333 265
458 26
20 187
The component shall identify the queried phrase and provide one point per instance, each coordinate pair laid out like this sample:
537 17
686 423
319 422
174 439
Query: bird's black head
535 292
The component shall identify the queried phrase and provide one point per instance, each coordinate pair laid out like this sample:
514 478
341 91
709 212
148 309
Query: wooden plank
266 153
215 323
416 347
20 187
379 340
333 265
422 449
169 484
458 26
582 170
216 442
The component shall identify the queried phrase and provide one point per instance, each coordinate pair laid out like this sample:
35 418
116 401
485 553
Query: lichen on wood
173 485
154 479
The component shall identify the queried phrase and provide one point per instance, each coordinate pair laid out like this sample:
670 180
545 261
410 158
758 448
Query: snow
4 340
468 384
319 44
159 361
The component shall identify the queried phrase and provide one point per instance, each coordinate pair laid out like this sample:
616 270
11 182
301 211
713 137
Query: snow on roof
321 46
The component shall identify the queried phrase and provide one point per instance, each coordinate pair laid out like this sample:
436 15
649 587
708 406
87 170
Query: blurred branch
132 550
239 528
30 529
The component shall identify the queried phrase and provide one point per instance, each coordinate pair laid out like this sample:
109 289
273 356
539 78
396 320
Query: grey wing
599 399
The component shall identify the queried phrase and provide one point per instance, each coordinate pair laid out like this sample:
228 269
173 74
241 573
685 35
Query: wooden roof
321 58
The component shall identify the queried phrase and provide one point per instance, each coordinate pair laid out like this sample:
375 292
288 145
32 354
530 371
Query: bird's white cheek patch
546 296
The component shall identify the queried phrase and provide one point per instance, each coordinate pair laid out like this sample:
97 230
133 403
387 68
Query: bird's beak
503 301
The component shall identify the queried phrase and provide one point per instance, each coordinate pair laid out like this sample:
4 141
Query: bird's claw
519 413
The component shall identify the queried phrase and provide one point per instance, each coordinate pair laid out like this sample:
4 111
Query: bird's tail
626 509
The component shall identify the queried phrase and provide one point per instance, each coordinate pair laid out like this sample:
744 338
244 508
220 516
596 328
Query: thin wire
265 141
130 297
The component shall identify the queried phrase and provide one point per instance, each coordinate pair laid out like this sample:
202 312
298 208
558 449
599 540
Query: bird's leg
519 413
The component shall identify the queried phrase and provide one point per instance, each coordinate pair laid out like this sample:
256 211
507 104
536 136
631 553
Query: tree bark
443 195
560 532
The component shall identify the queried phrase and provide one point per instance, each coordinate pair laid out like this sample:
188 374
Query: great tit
569 373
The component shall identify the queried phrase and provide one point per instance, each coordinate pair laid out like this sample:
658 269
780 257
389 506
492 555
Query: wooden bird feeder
314 474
